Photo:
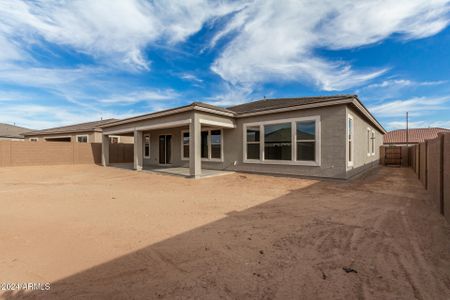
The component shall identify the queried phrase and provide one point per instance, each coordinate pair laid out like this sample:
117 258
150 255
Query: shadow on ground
382 225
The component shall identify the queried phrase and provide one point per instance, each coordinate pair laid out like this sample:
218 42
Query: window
82 138
253 142
185 144
204 144
369 141
306 141
210 144
114 139
288 141
34 139
373 142
147 146
277 142
216 144
350 140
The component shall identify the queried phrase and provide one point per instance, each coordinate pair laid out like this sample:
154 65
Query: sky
65 62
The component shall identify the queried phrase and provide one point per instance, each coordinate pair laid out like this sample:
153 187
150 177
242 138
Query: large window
350 140
147 146
253 142
210 144
306 141
278 142
290 141
369 139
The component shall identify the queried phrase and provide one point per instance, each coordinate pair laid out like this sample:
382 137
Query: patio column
138 157
195 160
105 150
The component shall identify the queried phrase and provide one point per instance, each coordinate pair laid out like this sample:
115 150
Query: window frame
293 161
209 158
149 146
350 138
82 135
114 136
369 141
33 139
373 138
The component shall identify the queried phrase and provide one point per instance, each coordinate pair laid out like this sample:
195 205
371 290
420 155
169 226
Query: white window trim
87 138
369 141
115 136
209 158
350 163
149 147
373 137
293 160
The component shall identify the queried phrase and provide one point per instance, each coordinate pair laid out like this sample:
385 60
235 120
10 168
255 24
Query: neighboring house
90 132
414 136
332 136
12 132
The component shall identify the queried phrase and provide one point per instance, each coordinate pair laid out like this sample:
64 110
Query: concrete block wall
431 162
27 153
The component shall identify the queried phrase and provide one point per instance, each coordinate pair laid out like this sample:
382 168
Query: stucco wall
361 160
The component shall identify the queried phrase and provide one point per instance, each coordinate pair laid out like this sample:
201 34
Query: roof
269 104
12 131
82 127
265 106
192 106
415 135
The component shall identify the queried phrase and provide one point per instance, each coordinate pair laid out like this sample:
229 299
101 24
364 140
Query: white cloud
273 40
190 77
36 116
115 32
146 95
415 106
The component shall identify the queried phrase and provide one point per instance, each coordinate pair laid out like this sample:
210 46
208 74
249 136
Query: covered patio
175 141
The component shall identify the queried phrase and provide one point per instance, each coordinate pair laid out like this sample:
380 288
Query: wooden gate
393 156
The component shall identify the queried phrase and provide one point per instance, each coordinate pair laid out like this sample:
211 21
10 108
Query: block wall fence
430 161
25 153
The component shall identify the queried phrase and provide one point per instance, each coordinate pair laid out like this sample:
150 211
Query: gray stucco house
332 136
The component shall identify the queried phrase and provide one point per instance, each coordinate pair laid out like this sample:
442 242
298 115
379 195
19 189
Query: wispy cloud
146 95
415 106
273 40
115 32
190 77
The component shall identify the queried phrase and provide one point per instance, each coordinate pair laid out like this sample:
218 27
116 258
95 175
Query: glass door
165 149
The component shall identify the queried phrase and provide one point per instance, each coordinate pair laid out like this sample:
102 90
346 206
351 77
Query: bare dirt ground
105 233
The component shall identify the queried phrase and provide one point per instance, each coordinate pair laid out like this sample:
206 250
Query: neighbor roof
12 131
415 135
82 127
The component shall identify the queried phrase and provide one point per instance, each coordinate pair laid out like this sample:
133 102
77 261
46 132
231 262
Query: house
330 136
415 136
89 132
12 132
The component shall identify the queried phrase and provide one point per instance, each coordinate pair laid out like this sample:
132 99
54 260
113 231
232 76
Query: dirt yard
106 233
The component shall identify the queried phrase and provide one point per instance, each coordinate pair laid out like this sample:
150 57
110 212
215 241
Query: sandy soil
106 233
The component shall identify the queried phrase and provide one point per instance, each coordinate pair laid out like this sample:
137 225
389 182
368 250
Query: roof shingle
82 127
12 131
415 135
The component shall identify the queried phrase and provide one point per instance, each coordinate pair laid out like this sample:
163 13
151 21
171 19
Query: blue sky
64 62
